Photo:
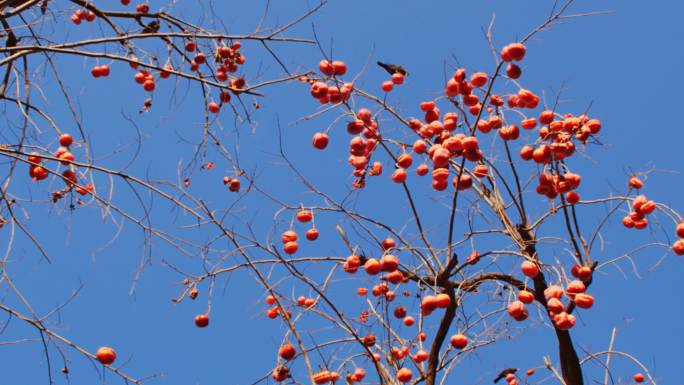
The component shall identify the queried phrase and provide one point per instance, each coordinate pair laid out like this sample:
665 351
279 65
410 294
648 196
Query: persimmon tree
496 236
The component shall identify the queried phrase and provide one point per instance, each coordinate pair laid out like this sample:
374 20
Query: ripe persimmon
427 106
459 341
641 224
638 201
311 234
326 67
149 85
320 140
38 173
287 351
572 197
34 158
648 207
405 160
70 178
678 247
546 117
518 311
399 312
553 291
395 277
66 157
529 269
419 146
213 107
65 140
513 71
526 152
576 287
555 305
369 340
583 300
462 183
281 373
358 375
388 243
528 123
397 78
339 67
404 375
291 247
635 182
429 303
399 175
584 273
564 321
304 216
365 115
372 266
420 356
273 312
389 262
481 170
525 296
190 46
202 320
513 52
442 300
680 230
478 79
201 58
628 222
105 355
288 236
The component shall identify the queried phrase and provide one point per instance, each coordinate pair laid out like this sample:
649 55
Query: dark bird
393 68
504 373
11 40
152 27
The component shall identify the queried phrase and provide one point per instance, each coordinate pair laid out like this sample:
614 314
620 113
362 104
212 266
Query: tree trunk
570 365
440 336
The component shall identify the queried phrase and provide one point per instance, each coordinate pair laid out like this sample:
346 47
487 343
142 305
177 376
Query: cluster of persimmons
445 143
447 147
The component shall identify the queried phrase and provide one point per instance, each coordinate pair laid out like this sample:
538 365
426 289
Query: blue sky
625 64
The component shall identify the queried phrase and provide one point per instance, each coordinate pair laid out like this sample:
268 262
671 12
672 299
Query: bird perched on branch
152 27
504 373
393 68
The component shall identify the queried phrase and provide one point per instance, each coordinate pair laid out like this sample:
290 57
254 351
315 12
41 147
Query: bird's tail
383 65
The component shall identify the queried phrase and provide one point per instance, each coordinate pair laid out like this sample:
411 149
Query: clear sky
625 65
